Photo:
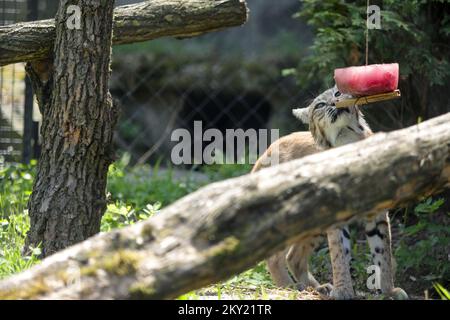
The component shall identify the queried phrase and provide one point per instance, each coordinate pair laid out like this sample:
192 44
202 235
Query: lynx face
330 126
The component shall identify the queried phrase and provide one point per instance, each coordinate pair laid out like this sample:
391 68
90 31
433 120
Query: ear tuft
302 114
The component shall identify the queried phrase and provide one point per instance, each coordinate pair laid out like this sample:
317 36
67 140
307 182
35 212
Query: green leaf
429 206
443 293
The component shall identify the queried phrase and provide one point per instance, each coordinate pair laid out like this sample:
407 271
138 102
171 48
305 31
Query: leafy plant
13 231
415 33
423 247
118 216
226 171
16 182
428 206
141 185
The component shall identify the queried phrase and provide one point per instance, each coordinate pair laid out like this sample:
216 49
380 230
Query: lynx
329 127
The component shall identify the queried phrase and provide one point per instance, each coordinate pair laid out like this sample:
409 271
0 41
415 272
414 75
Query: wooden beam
24 42
368 99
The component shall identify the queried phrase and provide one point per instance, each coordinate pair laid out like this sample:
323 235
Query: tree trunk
78 118
227 227
144 21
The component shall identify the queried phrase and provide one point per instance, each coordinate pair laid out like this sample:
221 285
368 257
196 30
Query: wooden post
27 152
78 118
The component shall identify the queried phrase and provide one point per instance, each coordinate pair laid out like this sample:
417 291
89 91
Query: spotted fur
329 127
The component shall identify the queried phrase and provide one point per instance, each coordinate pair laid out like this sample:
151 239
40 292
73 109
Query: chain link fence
11 89
227 80
19 119
155 101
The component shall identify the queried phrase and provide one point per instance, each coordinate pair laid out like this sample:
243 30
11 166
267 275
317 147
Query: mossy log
144 21
227 227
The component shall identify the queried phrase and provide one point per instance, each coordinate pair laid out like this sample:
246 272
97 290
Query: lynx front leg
378 232
297 261
339 246
278 270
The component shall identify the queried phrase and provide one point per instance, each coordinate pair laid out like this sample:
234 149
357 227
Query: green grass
421 233
139 186
12 239
443 293
135 193
422 248
15 188
16 183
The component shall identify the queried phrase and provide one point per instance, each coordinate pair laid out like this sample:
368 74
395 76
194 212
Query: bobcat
329 127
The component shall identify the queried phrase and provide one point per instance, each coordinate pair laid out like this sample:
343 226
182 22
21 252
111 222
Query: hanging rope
367 33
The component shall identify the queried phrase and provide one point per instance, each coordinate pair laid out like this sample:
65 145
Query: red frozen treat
367 80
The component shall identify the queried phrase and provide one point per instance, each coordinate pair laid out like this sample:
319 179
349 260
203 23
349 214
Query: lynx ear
302 114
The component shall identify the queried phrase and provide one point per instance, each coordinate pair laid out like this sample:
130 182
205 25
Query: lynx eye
337 94
319 105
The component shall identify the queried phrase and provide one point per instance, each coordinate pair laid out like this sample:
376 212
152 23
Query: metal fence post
32 14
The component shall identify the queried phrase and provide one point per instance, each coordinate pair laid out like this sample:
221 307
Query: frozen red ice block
367 80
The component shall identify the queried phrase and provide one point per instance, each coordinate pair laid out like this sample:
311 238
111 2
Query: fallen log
227 227
29 41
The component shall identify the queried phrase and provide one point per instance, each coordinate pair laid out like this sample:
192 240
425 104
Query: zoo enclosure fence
157 93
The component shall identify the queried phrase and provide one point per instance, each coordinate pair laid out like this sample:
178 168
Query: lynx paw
342 293
300 286
325 289
398 294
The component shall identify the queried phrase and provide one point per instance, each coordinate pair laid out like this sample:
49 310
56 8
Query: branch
227 227
132 23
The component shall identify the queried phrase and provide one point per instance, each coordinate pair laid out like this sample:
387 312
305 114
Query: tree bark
227 227
132 23
78 118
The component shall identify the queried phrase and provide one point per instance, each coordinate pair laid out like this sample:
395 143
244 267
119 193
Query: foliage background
415 33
